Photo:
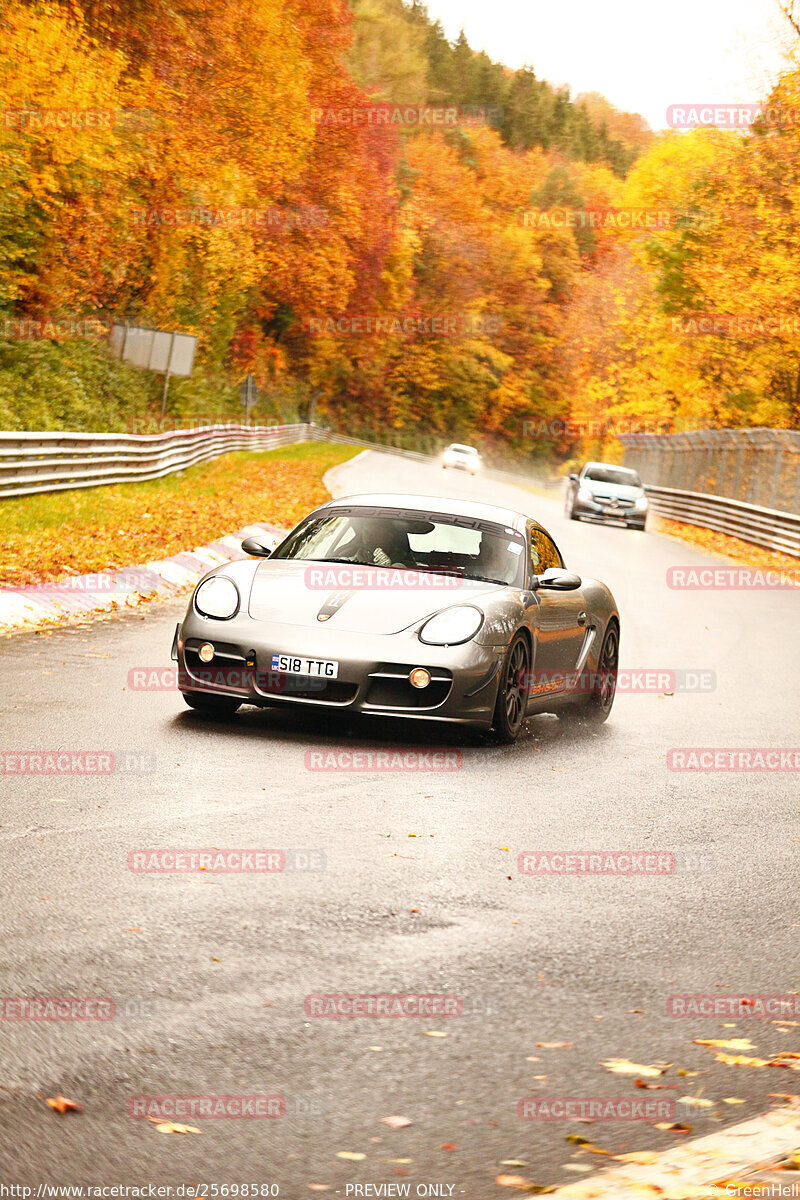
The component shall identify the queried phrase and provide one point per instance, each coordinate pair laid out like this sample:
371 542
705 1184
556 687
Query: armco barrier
52 462
49 462
761 526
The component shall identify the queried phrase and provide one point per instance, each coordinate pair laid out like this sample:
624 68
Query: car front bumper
373 670
589 510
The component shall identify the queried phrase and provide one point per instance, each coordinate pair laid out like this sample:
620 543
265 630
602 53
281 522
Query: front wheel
215 706
569 507
512 694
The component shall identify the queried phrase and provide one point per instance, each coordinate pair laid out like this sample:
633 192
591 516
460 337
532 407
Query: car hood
622 491
282 592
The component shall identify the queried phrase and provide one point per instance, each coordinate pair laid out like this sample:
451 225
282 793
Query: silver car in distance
404 606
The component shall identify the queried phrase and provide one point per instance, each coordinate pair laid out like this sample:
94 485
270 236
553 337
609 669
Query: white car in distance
461 458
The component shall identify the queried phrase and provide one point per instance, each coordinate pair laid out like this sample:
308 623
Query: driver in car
494 561
379 542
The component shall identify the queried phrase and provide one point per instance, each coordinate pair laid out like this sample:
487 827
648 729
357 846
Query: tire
512 702
214 706
597 708
569 507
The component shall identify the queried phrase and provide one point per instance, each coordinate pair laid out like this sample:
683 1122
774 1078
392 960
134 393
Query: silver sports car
404 606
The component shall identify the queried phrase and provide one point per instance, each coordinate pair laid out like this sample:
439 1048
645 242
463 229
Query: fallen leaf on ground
577 1140
791 1061
732 1100
623 1066
62 1105
434 1033
515 1181
552 1045
730 1044
653 1087
448 1146
783 1096
741 1060
397 1122
515 1162
350 1155
171 1127
674 1126
696 1101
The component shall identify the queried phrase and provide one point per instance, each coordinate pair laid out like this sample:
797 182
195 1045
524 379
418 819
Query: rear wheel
512 694
597 708
215 706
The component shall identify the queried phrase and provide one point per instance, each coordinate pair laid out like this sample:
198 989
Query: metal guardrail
52 462
762 526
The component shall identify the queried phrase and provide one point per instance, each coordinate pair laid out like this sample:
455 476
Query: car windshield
462 449
389 538
619 475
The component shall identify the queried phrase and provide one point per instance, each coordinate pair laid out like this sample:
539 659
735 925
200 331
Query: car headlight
217 597
641 504
452 626
584 494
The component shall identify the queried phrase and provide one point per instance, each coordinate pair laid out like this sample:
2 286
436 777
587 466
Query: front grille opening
389 687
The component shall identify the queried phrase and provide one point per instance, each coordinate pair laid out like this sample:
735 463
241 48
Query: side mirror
573 477
256 548
557 580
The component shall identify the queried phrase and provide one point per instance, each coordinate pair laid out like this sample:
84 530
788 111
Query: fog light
419 677
206 652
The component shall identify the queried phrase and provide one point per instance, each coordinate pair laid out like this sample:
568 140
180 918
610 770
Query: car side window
544 552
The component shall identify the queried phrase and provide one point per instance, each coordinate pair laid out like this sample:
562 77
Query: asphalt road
208 973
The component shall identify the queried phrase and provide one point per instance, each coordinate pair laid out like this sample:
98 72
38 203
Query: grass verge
48 536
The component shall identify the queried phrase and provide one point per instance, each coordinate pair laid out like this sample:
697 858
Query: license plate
313 667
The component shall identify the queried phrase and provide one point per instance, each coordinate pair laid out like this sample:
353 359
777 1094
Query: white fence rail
52 462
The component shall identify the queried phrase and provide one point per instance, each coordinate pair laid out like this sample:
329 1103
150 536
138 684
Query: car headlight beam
218 598
452 626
